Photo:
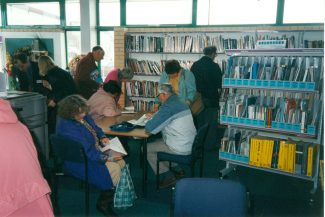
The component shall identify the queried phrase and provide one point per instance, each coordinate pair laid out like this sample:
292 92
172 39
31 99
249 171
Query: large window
73 44
155 12
232 12
107 43
109 12
41 13
311 11
72 12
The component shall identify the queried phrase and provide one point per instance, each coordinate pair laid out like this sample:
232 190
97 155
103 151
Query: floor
271 195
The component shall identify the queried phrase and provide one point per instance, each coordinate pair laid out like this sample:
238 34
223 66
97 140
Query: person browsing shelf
182 81
119 75
103 103
174 119
76 124
87 77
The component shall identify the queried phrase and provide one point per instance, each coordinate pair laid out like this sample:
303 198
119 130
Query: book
115 145
140 122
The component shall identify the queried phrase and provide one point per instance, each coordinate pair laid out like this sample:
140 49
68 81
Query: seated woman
103 103
104 172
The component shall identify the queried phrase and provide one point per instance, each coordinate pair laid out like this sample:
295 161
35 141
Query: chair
189 160
209 197
74 153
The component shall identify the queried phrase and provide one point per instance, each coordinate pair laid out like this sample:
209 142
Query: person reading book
174 119
76 124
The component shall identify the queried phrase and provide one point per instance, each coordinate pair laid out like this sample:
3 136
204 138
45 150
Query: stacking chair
65 149
189 160
209 197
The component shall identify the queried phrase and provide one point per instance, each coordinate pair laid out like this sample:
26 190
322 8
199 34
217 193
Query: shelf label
235 120
232 81
280 84
311 129
229 119
286 84
258 83
296 128
242 120
265 83
245 82
239 82
310 86
223 118
226 81
274 125
252 83
302 85
273 83
294 85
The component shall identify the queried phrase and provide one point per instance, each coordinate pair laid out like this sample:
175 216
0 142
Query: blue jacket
186 85
175 120
98 172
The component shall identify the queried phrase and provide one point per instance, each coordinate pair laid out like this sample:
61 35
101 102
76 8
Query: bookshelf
274 111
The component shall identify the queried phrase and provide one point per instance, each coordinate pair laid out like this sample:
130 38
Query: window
73 44
154 12
107 43
109 12
311 11
0 16
230 12
72 12
42 13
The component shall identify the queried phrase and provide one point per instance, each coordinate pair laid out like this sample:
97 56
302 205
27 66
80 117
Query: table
139 133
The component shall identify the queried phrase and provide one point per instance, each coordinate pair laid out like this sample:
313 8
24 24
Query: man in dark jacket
87 77
208 78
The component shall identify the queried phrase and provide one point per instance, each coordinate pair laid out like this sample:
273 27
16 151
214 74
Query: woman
104 172
23 189
59 83
119 75
182 81
103 103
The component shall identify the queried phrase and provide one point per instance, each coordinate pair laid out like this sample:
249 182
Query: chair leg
87 199
157 176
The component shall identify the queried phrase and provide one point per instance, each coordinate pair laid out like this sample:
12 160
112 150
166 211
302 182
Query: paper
140 122
115 145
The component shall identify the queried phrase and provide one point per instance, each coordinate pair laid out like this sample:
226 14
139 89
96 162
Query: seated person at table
174 119
74 123
103 103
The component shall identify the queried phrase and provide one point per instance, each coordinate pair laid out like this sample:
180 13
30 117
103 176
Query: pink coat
112 75
23 189
102 104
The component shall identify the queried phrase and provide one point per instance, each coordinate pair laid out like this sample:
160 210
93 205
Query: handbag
197 105
122 127
124 193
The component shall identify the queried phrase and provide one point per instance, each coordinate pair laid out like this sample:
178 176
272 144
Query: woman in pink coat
23 189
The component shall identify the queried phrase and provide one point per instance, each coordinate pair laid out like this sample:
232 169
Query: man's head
22 61
124 74
98 53
172 67
210 51
165 91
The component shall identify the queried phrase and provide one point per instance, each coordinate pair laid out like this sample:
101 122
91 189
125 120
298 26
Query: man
174 120
208 77
27 74
87 77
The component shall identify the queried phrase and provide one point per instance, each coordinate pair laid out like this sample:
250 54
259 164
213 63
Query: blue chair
209 197
189 160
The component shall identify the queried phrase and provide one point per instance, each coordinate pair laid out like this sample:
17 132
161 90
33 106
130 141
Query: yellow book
265 152
262 152
281 156
310 160
251 151
294 157
290 158
258 152
285 156
270 153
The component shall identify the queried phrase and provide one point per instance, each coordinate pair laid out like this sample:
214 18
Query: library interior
162 108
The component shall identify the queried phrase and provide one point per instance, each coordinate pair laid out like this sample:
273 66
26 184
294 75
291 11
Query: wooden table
138 133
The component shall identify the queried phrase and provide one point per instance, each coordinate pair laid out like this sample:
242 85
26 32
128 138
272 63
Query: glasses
159 94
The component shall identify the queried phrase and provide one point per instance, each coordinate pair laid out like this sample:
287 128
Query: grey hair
125 73
166 88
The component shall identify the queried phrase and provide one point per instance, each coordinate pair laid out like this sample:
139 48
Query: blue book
255 70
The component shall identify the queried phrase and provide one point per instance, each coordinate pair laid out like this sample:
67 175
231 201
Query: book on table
140 122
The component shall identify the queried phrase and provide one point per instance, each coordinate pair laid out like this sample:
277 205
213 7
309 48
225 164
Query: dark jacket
61 82
28 80
98 172
84 84
208 78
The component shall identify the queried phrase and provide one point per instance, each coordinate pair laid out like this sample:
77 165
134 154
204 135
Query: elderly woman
182 81
59 84
119 75
104 172
103 103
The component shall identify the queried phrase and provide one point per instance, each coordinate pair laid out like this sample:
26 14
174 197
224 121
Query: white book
115 145
140 122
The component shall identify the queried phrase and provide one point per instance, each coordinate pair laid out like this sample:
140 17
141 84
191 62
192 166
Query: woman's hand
104 140
51 103
46 84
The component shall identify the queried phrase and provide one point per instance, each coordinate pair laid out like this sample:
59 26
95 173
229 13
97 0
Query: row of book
144 105
141 88
303 109
288 156
299 69
196 43
147 67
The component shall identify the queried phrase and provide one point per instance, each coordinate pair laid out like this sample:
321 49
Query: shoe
178 173
106 210
105 202
168 181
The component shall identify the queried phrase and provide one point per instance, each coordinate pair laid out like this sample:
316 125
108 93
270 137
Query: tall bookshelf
274 111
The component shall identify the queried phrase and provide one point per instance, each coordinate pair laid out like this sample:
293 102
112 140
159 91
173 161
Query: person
208 77
119 75
87 77
76 124
24 191
175 121
182 80
103 103
27 73
59 83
